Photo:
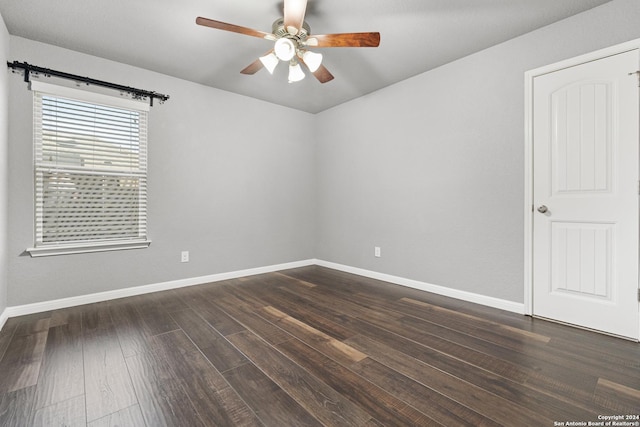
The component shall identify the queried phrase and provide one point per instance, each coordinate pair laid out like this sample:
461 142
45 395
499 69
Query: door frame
529 77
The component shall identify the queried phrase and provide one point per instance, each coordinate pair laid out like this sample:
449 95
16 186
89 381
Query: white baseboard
436 289
4 316
38 307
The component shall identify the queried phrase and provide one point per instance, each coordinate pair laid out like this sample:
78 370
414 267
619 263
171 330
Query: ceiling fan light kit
270 61
295 72
285 49
312 59
292 36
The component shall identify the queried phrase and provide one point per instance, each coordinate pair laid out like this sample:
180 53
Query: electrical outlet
184 256
376 252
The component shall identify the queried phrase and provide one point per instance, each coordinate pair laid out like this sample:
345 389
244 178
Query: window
90 171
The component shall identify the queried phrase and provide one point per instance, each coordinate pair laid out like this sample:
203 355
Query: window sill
86 248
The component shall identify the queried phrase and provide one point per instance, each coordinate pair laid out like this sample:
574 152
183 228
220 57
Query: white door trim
528 152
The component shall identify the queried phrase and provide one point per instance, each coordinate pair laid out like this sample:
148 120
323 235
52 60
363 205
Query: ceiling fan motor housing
288 45
279 30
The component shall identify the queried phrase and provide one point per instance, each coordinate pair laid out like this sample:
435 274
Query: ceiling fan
293 38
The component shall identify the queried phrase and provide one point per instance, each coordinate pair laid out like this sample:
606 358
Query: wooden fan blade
294 11
345 40
322 74
230 27
253 68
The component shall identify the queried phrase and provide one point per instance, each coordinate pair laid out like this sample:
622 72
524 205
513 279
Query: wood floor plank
592 343
327 405
433 404
499 329
380 404
162 400
617 397
65 316
21 363
97 316
108 386
189 365
476 398
154 317
495 361
579 385
16 407
23 348
244 315
130 328
201 302
617 367
236 288
32 323
466 384
203 384
270 403
347 302
533 367
401 327
391 292
434 340
170 300
373 423
61 377
296 306
331 347
236 409
67 413
488 331
209 341
548 357
281 274
127 417
6 334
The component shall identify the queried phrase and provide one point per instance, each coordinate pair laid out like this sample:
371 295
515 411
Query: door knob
543 209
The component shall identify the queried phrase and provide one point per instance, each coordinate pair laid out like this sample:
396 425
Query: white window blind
90 174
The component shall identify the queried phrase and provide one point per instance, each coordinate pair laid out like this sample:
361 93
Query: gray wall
225 182
431 169
4 142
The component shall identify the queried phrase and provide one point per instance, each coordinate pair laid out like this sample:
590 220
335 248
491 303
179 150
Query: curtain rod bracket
135 93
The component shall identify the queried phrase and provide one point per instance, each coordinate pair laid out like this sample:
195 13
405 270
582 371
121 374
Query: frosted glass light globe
284 49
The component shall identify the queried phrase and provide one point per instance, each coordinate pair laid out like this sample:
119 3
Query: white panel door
585 194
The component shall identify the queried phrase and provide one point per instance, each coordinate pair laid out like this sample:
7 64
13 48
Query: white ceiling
161 35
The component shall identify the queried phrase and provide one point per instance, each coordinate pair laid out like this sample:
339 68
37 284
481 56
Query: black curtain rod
137 93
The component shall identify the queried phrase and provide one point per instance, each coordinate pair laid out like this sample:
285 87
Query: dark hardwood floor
308 347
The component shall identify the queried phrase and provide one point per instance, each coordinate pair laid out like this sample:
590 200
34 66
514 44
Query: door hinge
637 73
